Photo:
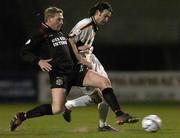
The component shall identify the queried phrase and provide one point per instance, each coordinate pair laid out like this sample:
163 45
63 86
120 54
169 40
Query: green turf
84 123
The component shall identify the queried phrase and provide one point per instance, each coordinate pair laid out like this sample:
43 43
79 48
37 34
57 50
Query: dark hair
100 6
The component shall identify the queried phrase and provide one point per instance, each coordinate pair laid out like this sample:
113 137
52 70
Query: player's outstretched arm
78 55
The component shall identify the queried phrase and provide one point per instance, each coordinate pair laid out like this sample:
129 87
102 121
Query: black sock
41 110
110 98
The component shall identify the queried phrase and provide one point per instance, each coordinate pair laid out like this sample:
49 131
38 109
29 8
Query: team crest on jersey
59 81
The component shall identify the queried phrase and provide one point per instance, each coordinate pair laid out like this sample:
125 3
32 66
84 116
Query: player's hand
84 47
87 63
83 52
44 65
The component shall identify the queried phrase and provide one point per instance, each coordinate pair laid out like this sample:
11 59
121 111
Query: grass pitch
85 121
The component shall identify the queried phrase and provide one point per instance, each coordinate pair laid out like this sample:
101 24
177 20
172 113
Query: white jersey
84 33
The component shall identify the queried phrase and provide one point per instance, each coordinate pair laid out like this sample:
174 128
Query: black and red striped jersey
48 44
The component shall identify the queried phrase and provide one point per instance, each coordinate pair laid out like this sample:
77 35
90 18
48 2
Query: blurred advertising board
146 86
129 86
18 87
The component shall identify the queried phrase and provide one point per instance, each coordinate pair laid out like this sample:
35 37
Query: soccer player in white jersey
83 35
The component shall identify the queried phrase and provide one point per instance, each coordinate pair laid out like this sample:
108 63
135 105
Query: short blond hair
50 12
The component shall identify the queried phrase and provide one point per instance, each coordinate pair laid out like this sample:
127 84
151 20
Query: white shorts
97 66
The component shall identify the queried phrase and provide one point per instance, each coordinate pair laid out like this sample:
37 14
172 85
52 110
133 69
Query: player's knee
105 83
96 98
103 105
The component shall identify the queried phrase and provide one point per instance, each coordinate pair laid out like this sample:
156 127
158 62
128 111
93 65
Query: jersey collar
94 24
49 28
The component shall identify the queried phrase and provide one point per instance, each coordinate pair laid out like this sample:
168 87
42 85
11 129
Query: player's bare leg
57 106
96 80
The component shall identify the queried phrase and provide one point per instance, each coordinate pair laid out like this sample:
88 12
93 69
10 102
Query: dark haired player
83 35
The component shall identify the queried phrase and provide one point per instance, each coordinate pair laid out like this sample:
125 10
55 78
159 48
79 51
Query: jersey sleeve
80 32
28 51
76 34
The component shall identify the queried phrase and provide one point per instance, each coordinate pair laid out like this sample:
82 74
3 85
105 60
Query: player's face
103 17
56 21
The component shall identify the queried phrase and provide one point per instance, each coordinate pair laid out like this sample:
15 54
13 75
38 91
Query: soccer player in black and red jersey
49 50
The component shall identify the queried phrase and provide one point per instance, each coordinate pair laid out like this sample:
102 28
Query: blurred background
139 48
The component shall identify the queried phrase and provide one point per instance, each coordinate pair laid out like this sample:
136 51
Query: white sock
81 101
103 109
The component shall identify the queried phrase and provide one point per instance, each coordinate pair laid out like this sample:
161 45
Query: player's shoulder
84 23
39 34
43 29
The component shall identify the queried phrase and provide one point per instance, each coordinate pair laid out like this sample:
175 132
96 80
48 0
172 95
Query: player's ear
50 19
97 12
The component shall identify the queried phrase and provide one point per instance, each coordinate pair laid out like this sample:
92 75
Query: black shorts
66 80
